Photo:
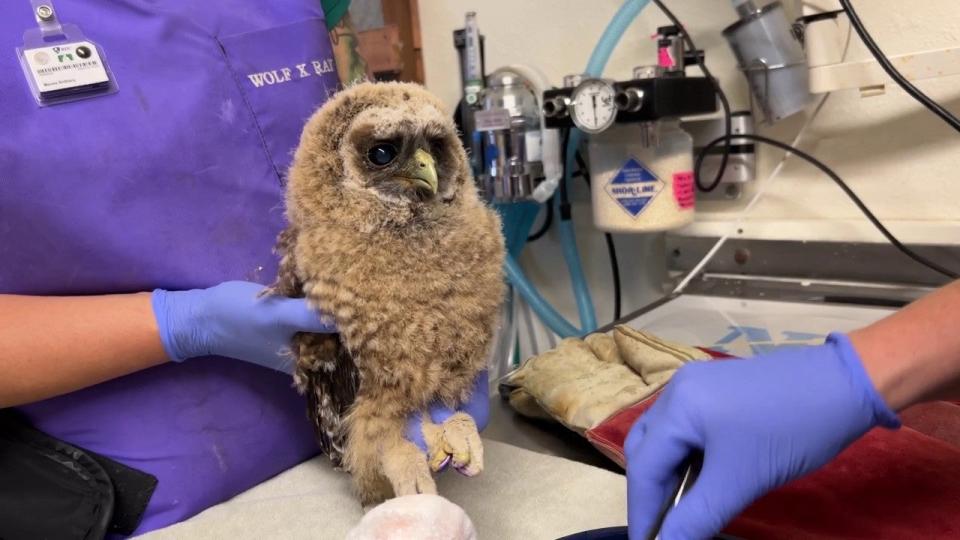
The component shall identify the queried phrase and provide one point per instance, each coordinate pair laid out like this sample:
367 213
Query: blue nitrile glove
477 406
231 320
761 422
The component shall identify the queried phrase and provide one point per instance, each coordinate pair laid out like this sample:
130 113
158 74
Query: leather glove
477 407
760 422
232 320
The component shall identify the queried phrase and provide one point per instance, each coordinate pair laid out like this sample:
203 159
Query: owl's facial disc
404 171
403 155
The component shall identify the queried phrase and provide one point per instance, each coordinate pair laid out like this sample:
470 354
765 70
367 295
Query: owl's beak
421 171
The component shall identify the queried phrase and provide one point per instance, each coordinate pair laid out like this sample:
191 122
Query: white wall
902 161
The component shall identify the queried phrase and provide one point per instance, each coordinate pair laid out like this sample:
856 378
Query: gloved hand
230 320
761 422
477 406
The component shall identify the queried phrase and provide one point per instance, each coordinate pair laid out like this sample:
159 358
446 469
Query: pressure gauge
592 105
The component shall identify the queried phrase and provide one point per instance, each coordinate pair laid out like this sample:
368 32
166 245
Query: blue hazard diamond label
634 187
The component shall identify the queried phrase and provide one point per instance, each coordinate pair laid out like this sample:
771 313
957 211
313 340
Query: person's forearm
914 354
54 345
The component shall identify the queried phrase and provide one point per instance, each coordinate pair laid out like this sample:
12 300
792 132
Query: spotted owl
387 236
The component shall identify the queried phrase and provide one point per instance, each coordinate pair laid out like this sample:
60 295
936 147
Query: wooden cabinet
393 51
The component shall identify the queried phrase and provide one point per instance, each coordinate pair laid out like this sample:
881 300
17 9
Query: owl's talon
439 460
462 441
469 472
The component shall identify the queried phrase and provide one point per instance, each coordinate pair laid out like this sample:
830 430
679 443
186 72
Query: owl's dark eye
382 154
436 146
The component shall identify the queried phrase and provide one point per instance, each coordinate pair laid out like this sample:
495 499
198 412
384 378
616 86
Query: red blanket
902 484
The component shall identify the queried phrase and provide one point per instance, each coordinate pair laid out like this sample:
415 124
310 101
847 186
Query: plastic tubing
612 34
554 321
581 291
598 61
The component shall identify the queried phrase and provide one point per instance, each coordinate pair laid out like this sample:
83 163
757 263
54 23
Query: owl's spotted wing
328 376
325 372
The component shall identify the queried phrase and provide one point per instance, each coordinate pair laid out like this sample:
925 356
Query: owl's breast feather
441 281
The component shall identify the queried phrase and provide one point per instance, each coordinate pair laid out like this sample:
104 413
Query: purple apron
173 182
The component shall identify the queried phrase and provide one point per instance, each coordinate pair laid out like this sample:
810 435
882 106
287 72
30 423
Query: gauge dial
593 109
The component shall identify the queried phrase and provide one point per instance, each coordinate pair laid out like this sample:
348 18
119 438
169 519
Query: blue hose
563 328
554 321
612 34
517 218
581 291
598 61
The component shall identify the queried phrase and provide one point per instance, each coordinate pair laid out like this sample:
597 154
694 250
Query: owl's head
389 142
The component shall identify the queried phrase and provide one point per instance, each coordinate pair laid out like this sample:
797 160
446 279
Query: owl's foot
406 468
457 439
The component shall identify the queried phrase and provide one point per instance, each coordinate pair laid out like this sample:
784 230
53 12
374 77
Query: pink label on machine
683 190
664 58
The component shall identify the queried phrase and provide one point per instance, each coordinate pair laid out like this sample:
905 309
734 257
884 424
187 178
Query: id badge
59 63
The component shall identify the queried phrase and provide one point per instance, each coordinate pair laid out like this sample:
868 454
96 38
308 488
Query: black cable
909 88
727 116
846 189
817 17
547 221
565 214
611 249
615 267
582 163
